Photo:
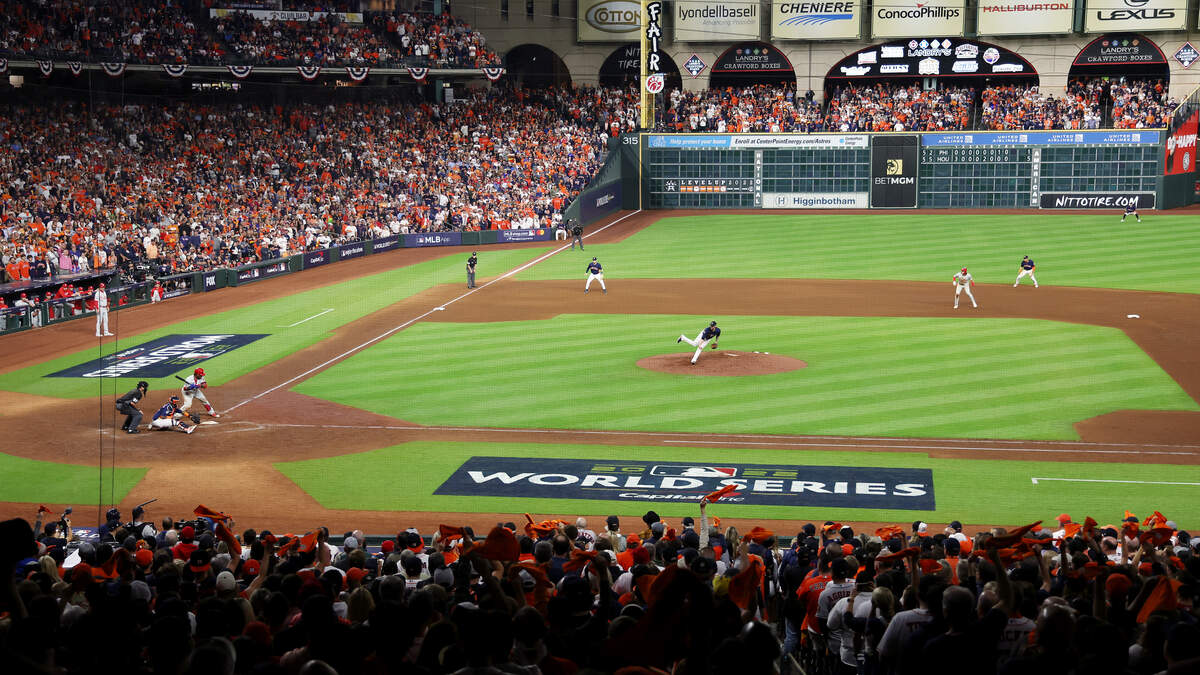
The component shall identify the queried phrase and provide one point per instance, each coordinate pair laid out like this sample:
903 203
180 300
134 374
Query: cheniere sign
641 481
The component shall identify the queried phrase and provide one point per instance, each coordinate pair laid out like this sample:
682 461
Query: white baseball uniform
195 389
101 298
962 282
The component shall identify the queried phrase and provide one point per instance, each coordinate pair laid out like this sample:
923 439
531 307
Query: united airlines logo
815 13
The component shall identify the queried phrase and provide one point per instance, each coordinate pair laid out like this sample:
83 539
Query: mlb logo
693 471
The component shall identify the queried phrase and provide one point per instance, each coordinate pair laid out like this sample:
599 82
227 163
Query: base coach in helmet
127 406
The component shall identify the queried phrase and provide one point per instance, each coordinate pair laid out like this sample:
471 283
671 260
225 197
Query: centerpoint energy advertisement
905 18
716 21
1025 17
821 20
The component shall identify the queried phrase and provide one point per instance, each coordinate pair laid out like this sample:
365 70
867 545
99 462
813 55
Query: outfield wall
1100 169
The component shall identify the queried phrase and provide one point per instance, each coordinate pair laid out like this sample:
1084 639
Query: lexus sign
1135 15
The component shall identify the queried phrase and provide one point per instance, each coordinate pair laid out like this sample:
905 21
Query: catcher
193 387
165 417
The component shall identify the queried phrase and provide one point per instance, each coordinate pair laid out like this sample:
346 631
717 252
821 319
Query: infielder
595 271
1027 268
164 417
964 282
194 386
710 334
101 298
1131 209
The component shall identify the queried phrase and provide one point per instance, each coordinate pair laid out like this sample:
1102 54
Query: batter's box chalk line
1133 316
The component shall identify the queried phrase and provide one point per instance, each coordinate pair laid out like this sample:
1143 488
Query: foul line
408 323
975 448
291 325
1105 480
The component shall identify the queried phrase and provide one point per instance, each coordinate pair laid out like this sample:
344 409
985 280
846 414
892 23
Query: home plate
209 422
1133 316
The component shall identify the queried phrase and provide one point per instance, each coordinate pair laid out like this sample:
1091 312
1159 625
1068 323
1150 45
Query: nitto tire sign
639 481
608 20
1106 200
162 357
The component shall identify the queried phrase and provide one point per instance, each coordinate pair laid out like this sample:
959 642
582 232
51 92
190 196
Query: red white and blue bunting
309 72
113 69
418 74
3 65
493 73
75 67
358 74
240 72
174 69
45 67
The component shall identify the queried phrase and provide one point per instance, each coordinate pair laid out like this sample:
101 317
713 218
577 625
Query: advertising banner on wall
1119 49
385 243
814 200
940 56
608 20
909 18
1181 146
894 172
747 141
433 239
1025 17
816 20
752 57
316 258
1097 200
355 250
716 20
1140 15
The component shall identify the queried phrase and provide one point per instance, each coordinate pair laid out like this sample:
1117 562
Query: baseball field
381 393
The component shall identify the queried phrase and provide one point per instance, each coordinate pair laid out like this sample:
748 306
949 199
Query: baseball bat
181 379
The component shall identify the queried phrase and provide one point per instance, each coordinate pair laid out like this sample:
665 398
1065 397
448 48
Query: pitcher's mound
722 362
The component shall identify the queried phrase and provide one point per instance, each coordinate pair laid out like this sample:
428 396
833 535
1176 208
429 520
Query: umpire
471 263
127 406
577 236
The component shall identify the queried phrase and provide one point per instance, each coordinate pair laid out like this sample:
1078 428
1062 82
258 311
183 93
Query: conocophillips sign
608 20
909 17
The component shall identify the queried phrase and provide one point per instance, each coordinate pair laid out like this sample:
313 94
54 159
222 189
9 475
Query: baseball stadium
605 336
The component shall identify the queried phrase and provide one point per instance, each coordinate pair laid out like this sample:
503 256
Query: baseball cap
613 522
251 567
650 517
688 521
955 525
226 582
187 532
1063 518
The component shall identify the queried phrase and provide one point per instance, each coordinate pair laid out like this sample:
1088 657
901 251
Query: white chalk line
293 325
980 448
408 323
1106 480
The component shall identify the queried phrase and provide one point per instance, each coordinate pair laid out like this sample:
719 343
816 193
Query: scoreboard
1008 169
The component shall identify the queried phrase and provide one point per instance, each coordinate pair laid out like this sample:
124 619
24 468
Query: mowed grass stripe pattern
350 300
977 378
31 480
1090 250
992 492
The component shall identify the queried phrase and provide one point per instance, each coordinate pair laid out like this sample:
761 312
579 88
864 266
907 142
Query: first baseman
1027 268
595 271
164 418
964 282
193 387
710 334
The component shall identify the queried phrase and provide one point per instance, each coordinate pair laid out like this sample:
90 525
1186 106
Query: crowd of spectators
1131 103
749 108
884 106
187 187
146 31
1140 104
555 596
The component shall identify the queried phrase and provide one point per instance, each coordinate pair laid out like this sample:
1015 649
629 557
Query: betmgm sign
894 172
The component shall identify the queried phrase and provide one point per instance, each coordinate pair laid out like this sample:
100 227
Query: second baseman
1027 268
964 282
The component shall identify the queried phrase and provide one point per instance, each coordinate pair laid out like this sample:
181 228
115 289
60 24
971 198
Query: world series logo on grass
758 484
162 357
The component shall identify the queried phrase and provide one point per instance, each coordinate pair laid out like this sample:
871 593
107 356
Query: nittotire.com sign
1097 200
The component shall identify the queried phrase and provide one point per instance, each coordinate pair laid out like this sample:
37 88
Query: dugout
750 63
622 68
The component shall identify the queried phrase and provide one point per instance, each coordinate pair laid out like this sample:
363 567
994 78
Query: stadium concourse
557 593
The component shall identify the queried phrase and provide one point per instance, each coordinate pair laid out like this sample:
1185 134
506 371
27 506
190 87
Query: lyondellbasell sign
648 481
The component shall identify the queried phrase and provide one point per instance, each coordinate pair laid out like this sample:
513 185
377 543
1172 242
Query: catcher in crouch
193 387
165 418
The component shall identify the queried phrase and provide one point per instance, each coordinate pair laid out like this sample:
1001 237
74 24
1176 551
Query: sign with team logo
1139 15
1119 49
695 65
716 20
647 482
752 57
816 20
941 56
1186 55
906 18
162 357
608 20
1025 17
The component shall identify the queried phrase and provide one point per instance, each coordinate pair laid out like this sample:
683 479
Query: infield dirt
229 466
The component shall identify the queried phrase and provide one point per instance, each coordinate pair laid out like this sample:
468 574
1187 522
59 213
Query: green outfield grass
404 477
1091 250
31 480
349 300
977 378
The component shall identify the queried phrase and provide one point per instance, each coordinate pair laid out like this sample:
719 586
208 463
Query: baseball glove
194 418
714 345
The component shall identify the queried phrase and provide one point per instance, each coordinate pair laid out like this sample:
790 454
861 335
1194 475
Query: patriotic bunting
113 69
309 72
240 72
418 74
358 74
75 66
45 67
175 69
3 65
493 73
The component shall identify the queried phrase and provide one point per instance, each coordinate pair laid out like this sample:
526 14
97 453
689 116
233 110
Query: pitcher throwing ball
710 334
964 282
193 387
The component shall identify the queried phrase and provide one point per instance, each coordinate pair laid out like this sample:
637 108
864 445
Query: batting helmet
964 269
199 372
712 323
